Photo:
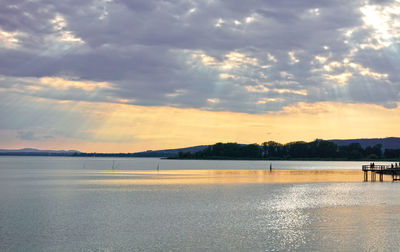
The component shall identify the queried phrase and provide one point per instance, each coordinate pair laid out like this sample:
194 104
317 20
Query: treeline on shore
318 149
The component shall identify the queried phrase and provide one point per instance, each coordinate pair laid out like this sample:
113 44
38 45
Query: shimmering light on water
45 205
202 177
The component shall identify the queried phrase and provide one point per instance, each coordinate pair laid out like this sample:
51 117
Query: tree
264 148
273 149
326 149
375 150
298 149
351 151
392 153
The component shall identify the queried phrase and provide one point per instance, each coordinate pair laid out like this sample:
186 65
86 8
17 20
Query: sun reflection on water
218 176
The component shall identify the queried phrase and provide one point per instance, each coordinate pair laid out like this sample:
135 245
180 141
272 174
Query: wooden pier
381 170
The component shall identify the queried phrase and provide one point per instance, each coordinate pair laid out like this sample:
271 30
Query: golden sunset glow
126 128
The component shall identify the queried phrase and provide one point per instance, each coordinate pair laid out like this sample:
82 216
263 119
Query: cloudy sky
132 75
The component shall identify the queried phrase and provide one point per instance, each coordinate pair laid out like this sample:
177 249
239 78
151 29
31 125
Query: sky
135 75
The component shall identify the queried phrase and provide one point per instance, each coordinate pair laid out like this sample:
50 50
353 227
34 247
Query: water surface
67 204
171 164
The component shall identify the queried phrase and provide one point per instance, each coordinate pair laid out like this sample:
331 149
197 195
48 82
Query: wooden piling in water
365 176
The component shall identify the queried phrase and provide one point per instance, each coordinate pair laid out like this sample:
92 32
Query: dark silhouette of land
315 150
36 152
387 143
347 149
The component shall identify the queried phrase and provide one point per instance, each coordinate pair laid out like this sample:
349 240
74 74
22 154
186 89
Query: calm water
51 204
70 163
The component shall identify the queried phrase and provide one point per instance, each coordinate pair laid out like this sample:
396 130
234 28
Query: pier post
373 176
365 176
380 177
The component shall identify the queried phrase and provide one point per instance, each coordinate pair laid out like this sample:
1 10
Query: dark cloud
184 53
32 136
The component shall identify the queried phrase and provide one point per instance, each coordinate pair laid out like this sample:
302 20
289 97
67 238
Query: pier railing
376 167
393 170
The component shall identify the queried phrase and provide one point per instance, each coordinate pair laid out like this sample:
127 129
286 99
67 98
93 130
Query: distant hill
169 152
149 153
36 152
387 143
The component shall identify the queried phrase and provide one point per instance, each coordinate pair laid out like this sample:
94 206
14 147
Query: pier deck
381 170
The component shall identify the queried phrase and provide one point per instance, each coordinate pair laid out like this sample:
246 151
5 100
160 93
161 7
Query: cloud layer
214 55
67 67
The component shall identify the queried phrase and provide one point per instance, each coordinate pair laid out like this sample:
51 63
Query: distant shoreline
287 159
129 155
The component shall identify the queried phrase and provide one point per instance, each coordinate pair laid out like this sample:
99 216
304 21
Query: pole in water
270 167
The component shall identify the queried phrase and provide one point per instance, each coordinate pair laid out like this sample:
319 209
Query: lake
113 204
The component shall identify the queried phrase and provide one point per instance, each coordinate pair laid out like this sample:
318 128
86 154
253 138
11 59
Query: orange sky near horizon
111 128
